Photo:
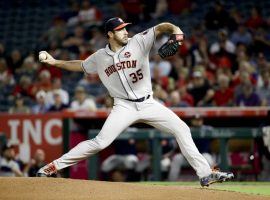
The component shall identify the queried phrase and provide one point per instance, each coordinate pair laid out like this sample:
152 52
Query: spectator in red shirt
85 51
44 81
25 88
163 81
224 94
255 20
185 96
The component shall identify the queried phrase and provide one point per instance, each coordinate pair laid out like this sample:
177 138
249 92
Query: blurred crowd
229 67
11 165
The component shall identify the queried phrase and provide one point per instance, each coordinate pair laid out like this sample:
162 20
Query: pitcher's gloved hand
171 46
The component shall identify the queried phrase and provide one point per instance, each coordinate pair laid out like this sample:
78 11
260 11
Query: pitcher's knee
100 144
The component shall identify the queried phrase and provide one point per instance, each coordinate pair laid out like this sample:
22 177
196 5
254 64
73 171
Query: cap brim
121 26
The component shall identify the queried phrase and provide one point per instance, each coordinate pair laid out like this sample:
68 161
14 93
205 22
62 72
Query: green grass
258 188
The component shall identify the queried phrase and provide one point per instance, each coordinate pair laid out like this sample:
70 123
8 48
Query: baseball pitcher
123 67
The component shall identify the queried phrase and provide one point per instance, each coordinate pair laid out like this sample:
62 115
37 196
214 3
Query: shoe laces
215 169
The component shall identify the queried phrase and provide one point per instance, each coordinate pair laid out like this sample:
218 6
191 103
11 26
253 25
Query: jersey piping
119 76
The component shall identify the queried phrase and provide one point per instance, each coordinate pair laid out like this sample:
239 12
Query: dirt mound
50 188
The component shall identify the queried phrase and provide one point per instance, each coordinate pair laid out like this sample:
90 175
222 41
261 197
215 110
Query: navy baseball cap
115 24
7 146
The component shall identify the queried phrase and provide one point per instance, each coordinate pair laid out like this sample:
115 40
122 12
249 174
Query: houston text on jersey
121 65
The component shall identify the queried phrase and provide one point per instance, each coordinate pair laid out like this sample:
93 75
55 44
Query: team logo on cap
120 20
127 54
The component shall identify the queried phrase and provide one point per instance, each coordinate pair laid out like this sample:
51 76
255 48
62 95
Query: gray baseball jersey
125 73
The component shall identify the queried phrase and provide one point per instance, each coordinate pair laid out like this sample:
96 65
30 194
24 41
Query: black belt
140 99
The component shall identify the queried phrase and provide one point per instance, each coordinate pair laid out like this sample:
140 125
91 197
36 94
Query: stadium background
66 32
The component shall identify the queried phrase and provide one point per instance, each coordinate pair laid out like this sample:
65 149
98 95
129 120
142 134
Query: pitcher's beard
121 42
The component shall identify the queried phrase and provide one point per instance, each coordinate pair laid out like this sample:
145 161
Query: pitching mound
50 188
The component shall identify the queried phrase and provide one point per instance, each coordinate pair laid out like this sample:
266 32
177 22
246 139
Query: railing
223 134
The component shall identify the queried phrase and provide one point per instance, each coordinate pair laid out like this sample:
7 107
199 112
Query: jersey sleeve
146 39
89 65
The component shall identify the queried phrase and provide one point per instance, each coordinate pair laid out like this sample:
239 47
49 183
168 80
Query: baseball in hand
42 56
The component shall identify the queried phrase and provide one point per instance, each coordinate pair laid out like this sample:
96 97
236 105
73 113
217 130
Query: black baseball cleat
48 170
216 176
